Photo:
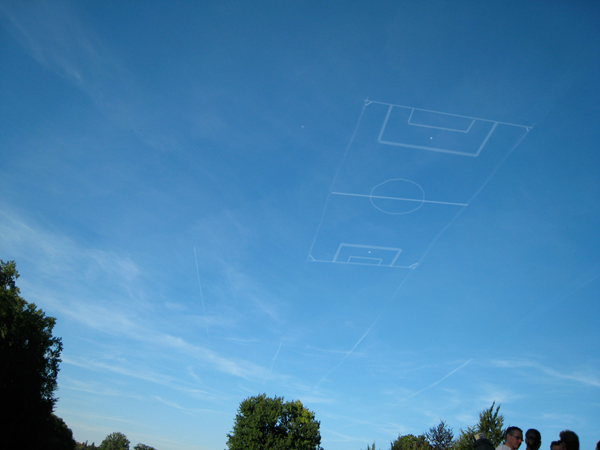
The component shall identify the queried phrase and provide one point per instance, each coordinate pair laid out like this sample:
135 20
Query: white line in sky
438 381
273 361
400 198
200 287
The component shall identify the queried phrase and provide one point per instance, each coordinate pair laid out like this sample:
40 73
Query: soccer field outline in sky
406 174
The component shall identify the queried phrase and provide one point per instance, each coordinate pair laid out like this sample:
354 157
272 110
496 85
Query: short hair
553 443
510 430
570 439
532 432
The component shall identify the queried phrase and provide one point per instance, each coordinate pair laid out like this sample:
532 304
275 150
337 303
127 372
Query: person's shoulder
502 447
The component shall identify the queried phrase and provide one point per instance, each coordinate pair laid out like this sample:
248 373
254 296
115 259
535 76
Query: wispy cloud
121 324
121 369
243 285
92 387
57 254
59 40
56 38
586 378
108 310
336 436
187 410
107 418
499 393
85 426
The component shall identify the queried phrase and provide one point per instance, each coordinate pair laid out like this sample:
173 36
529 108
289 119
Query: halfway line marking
399 198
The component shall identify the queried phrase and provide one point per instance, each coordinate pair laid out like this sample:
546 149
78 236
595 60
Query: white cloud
96 290
56 38
187 410
589 377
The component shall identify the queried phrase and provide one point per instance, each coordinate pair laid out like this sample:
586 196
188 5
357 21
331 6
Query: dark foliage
491 423
60 436
29 359
115 441
264 422
143 447
410 442
86 446
440 437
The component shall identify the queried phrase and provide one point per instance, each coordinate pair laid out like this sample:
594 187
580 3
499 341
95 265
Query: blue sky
387 210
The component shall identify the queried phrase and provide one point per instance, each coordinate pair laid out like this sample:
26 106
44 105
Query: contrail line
200 287
437 382
273 361
400 198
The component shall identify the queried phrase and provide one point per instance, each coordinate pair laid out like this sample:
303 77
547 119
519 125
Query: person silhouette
533 439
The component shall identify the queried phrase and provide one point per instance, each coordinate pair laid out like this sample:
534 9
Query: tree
60 436
465 439
115 441
440 437
490 423
29 360
86 446
263 422
143 447
410 442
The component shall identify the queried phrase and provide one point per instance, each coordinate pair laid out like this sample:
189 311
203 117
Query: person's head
570 439
556 445
598 445
514 437
481 442
533 439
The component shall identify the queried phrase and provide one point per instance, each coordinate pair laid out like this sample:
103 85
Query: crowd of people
568 440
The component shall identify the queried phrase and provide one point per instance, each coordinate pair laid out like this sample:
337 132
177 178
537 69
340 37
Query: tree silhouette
29 359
